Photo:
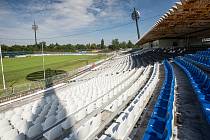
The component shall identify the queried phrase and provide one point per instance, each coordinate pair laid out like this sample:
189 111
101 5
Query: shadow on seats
41 118
38 75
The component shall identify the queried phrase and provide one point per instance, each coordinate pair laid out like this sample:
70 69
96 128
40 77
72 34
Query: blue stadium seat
198 59
200 83
160 123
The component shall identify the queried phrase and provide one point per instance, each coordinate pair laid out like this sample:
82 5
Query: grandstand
160 92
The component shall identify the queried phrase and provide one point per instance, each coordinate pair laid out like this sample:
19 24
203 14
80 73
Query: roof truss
184 18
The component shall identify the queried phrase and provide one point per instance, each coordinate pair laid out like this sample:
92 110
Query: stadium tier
156 89
109 101
60 110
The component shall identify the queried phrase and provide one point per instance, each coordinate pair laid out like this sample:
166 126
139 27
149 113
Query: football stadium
158 91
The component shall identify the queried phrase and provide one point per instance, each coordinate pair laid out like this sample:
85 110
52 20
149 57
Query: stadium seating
200 60
71 104
200 83
123 125
161 122
115 104
122 87
204 53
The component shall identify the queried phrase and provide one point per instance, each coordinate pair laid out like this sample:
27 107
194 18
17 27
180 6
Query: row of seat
42 114
129 91
161 121
123 97
102 100
81 99
205 53
200 83
199 59
118 65
124 124
122 63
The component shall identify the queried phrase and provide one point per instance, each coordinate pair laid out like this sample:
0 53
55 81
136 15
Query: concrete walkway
190 123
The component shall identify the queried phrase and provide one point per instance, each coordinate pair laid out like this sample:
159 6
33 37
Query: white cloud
57 18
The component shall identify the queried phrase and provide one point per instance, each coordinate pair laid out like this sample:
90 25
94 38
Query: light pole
35 28
2 69
43 61
135 16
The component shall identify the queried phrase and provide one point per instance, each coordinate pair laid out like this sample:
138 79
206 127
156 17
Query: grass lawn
16 69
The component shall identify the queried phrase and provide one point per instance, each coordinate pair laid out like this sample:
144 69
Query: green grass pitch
16 69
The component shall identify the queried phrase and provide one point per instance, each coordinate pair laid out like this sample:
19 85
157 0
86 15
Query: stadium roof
186 18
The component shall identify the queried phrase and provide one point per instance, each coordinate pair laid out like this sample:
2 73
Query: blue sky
77 20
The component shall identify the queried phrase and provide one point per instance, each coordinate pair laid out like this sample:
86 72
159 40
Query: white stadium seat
109 90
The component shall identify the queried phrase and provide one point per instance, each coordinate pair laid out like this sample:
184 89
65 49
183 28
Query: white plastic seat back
105 137
112 131
83 131
34 130
123 125
49 122
81 114
53 133
68 123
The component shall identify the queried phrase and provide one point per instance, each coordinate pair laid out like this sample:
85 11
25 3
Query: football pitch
17 69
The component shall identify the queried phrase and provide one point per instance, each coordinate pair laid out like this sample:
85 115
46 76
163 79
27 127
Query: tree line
115 45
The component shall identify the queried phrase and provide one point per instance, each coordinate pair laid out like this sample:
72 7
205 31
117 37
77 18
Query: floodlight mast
135 16
35 28
43 61
2 69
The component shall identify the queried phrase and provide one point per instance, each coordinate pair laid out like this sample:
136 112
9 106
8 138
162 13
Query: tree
88 46
102 44
123 45
110 47
130 44
115 44
93 46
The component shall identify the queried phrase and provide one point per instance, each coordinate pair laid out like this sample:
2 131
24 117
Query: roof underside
186 19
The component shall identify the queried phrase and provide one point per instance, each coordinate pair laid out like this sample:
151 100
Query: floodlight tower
43 61
35 28
2 69
136 16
